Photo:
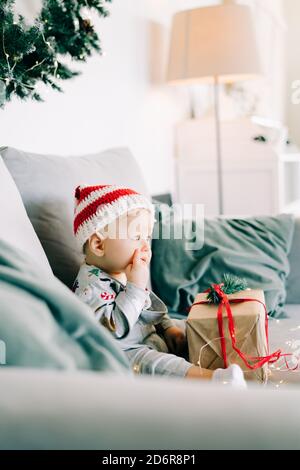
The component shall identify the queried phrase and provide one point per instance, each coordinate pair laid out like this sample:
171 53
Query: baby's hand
137 272
176 340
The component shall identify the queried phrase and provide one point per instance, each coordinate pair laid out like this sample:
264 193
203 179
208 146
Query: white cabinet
258 179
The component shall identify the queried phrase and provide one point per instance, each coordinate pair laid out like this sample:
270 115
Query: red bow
256 362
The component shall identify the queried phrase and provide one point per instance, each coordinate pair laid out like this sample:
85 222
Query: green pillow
254 248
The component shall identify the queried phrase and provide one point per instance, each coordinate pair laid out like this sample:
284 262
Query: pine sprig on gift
231 285
32 54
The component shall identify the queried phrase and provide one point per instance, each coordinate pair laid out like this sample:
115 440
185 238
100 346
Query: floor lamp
214 44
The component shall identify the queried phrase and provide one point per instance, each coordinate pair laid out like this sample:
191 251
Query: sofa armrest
293 281
84 410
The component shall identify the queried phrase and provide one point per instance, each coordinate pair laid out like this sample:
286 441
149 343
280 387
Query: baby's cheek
125 251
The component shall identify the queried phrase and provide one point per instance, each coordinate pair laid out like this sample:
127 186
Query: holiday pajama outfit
135 317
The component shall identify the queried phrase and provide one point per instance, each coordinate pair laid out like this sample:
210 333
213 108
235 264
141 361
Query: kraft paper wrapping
204 338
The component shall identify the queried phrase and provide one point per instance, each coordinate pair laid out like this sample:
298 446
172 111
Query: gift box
233 331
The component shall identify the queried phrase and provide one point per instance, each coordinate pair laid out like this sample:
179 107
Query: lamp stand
218 144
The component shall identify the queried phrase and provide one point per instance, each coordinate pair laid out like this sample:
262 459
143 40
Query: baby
113 226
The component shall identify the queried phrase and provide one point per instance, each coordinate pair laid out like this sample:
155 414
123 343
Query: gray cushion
255 248
293 282
46 184
15 226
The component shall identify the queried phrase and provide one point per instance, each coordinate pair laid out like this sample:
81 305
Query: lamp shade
209 42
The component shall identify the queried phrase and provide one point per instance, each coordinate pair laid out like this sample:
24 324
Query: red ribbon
257 362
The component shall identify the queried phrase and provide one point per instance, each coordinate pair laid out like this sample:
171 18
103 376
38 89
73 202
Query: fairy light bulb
86 13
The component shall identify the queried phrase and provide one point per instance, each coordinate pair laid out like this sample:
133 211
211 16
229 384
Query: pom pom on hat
77 193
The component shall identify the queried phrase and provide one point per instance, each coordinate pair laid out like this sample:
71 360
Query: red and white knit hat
97 206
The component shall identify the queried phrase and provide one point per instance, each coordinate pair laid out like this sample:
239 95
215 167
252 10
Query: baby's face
124 236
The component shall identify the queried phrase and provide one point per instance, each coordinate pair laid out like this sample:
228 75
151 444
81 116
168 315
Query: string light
37 64
87 11
255 373
47 42
5 53
56 64
275 367
295 329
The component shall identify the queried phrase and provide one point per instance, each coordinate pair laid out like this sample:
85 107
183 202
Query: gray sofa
48 409
293 283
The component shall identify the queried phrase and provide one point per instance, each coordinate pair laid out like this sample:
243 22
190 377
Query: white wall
292 11
271 34
120 99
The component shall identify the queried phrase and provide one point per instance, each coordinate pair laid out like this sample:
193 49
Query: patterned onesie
136 318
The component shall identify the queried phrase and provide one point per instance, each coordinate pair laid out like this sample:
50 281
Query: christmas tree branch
31 54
